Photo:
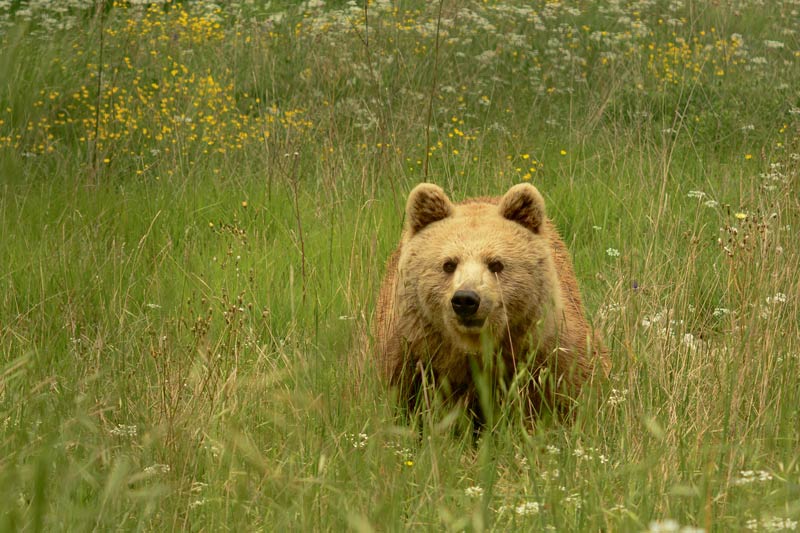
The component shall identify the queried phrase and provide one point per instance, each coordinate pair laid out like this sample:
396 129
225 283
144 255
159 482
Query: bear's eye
449 266
495 267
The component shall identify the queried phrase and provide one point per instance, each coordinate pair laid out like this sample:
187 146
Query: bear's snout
465 303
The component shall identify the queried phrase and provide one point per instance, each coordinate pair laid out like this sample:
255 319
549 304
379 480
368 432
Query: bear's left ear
524 205
426 204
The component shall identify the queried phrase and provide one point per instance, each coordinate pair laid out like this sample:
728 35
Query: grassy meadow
197 200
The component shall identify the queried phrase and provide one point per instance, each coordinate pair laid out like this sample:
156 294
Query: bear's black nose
465 303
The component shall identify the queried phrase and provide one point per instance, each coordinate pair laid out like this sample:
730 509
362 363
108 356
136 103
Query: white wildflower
669 525
521 460
197 503
663 526
405 454
548 475
528 508
690 342
214 449
648 321
772 523
608 56
517 40
775 45
486 57
610 308
574 500
617 396
777 524
752 476
612 252
124 431
779 298
474 491
358 441
157 468
580 453
696 194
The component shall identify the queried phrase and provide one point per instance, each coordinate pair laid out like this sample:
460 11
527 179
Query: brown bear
488 275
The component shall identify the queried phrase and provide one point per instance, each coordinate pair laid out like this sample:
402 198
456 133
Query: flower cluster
750 476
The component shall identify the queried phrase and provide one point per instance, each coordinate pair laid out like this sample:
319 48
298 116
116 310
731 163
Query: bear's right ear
426 204
524 205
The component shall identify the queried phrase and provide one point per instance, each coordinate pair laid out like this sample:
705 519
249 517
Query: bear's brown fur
490 269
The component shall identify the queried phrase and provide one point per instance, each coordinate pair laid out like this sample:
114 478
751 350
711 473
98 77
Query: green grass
190 262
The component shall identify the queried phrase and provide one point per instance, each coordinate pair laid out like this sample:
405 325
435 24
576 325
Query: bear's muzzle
465 304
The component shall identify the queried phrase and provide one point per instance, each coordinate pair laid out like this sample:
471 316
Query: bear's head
478 268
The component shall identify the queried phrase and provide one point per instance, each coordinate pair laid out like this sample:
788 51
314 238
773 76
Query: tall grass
195 222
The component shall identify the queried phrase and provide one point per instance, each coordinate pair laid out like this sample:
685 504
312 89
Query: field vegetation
197 200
